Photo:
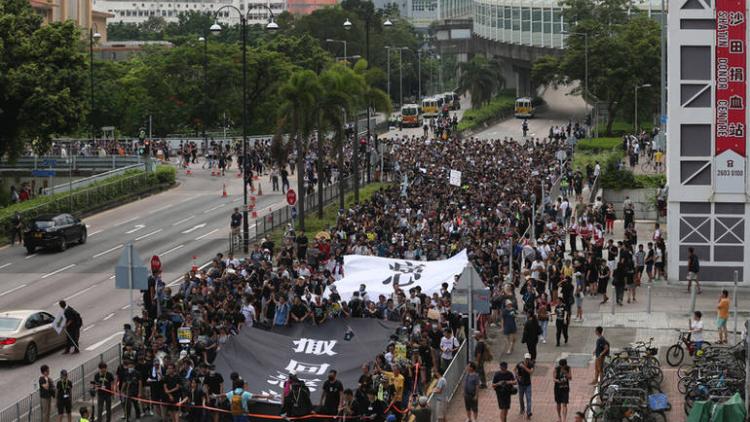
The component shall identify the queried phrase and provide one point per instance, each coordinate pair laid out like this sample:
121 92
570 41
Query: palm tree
481 78
298 103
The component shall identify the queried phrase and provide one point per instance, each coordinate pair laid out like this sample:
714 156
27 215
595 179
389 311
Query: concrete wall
641 198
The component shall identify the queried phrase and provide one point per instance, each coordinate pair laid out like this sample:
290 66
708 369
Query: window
536 20
526 19
516 18
557 21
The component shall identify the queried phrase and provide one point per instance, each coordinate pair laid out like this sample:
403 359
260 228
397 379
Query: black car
56 231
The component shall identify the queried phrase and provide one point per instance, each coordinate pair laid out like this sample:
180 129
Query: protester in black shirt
300 312
103 382
172 386
73 324
195 399
64 394
503 382
331 394
375 410
46 393
132 387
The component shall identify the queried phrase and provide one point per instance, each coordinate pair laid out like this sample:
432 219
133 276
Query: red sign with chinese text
730 76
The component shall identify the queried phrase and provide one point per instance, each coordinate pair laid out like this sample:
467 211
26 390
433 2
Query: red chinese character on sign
736 103
736 46
736 18
736 74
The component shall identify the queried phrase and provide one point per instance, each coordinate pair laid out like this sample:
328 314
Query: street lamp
216 29
585 36
94 37
401 76
635 120
204 40
330 40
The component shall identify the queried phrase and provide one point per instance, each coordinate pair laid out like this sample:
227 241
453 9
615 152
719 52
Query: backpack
542 314
236 405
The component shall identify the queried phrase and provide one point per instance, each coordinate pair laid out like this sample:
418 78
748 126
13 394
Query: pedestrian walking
132 389
471 392
438 392
448 346
509 326
64 394
531 333
693 266
504 383
601 351
524 370
73 323
103 382
722 311
562 377
16 229
46 392
543 309
481 355
562 321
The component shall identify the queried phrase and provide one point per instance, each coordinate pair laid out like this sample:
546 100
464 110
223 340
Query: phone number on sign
730 172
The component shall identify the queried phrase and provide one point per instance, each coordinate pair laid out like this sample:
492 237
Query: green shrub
621 127
501 105
598 144
166 174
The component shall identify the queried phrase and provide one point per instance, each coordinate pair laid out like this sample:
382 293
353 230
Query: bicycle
676 352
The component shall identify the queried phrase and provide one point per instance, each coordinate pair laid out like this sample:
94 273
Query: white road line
108 251
112 277
214 208
96 232
58 271
194 228
80 293
126 221
101 343
89 327
108 316
148 234
7 292
207 234
125 307
160 209
171 250
30 256
5 265
136 228
237 199
184 220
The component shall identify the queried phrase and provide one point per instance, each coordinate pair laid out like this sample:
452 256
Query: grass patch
598 144
622 127
313 224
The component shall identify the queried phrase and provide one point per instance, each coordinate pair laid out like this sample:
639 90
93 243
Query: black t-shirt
612 253
236 219
214 382
502 376
319 312
64 390
376 409
170 382
46 393
299 310
524 378
104 381
601 343
479 349
332 390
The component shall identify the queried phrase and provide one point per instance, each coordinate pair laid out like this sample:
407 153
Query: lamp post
216 29
419 75
94 36
330 40
204 40
585 36
388 67
635 119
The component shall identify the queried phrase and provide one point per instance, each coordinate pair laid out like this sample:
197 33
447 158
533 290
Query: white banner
380 274
455 178
59 323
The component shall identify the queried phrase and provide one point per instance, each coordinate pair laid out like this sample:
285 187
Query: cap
527 356
293 372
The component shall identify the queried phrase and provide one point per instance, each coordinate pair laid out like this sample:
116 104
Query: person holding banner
72 323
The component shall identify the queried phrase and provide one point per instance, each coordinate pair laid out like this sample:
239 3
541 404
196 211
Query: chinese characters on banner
730 73
311 373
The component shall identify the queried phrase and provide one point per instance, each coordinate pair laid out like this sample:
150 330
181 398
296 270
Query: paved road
189 221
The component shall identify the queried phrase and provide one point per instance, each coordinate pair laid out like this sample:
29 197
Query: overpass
517 32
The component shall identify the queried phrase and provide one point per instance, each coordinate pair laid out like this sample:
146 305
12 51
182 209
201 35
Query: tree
623 52
42 78
298 98
481 78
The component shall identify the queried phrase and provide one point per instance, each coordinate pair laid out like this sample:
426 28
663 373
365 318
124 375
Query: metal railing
63 164
80 183
453 376
28 409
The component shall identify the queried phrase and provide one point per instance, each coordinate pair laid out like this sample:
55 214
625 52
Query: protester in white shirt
696 330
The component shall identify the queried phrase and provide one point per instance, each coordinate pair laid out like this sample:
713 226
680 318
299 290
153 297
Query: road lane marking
7 292
126 221
237 199
194 228
30 256
102 342
148 234
207 234
125 307
108 316
183 220
136 228
89 327
81 292
58 271
171 250
214 208
161 209
96 232
108 251
112 276
5 265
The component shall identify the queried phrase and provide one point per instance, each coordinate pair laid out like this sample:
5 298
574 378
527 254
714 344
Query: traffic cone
224 191
188 172
260 189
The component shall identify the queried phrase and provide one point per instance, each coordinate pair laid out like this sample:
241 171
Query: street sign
460 300
663 119
130 260
43 173
291 197
294 212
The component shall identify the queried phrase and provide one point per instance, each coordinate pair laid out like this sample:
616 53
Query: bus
452 99
410 116
524 108
429 108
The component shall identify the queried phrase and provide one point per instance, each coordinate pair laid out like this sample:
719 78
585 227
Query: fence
81 183
453 376
63 164
28 409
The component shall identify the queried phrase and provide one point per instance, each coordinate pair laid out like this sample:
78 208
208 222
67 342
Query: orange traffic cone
260 189
224 191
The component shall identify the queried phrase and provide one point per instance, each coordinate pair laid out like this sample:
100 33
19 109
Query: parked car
24 335
54 231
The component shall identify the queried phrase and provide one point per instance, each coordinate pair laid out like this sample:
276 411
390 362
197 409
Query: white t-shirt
697 328
536 268
249 312
446 347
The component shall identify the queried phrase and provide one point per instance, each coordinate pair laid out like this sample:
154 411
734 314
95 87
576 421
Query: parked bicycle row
629 388
715 374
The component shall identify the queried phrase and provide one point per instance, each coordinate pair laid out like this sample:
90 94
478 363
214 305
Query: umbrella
323 235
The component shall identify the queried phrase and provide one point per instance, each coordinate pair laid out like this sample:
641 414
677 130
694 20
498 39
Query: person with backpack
73 323
239 401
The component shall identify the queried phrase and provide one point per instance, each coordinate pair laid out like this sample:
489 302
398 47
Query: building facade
80 11
708 206
170 10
